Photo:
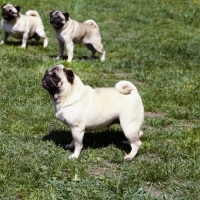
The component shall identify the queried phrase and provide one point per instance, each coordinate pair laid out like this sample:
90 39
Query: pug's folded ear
66 15
69 74
18 8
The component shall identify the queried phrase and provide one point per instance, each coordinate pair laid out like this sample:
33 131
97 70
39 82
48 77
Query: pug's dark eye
55 77
11 12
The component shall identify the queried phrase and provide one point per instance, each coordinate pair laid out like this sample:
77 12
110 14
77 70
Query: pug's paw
73 157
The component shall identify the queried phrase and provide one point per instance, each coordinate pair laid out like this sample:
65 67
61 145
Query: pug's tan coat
23 26
73 32
84 109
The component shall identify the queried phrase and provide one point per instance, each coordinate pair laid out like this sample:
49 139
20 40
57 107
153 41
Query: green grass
156 45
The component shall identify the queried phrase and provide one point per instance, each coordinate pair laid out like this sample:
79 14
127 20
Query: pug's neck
70 96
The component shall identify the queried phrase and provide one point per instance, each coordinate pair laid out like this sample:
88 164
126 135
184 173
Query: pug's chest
69 116
64 117
8 27
12 30
60 116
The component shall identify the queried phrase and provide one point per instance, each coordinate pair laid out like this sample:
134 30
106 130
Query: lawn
154 44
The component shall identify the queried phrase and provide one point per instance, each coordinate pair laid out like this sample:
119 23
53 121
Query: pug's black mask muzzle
50 84
8 15
56 22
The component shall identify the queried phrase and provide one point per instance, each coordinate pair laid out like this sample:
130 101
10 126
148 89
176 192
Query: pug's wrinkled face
58 19
56 78
10 12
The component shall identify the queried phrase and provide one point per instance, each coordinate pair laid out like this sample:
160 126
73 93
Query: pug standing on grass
70 32
85 109
22 26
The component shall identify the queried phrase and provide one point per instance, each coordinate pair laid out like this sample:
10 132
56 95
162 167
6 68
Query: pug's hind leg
132 133
70 146
37 38
140 134
78 142
91 48
135 145
40 32
99 49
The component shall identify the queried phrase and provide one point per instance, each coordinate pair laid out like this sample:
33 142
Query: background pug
22 26
84 109
70 32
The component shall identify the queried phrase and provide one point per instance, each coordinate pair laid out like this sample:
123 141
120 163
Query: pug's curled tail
33 13
125 87
92 23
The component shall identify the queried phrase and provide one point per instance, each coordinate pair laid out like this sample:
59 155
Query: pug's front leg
24 40
70 49
61 49
5 36
77 135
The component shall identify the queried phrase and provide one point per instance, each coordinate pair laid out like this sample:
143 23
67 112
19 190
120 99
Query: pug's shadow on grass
14 43
93 140
19 43
83 58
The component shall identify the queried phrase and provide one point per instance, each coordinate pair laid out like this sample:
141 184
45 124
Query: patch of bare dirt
153 114
121 74
105 168
111 21
182 124
154 192
153 157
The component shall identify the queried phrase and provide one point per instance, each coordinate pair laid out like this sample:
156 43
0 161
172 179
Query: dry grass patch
106 168
153 114
157 194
